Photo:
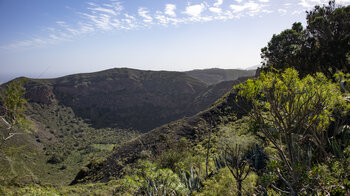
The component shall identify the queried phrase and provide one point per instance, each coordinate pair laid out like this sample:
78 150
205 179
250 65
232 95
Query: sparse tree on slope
12 109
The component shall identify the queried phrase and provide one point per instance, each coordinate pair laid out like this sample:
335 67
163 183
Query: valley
282 129
78 119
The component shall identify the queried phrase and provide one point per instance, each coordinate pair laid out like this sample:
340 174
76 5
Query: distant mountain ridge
216 75
130 98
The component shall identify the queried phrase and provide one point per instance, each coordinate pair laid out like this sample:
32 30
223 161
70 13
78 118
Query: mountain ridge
216 75
65 136
124 98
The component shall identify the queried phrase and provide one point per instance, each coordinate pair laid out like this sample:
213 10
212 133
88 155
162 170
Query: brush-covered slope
56 146
215 75
128 98
81 118
159 140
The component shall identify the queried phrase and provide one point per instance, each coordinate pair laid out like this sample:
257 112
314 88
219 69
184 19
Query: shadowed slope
128 98
161 139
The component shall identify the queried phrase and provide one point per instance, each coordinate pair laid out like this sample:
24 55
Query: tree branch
9 126
286 182
280 190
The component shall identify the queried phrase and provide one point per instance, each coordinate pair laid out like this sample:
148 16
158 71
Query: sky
52 38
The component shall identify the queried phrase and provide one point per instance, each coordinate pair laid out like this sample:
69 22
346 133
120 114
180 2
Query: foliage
13 101
323 46
153 181
344 81
29 190
173 158
238 165
223 183
12 108
283 49
192 180
59 146
328 37
239 152
294 115
257 158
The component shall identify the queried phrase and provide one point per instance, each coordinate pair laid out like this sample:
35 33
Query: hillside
80 118
128 98
131 132
215 75
194 129
59 144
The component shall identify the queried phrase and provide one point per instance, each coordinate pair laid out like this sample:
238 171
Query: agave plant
257 158
192 180
339 143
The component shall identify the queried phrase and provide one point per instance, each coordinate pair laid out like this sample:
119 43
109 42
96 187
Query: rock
39 93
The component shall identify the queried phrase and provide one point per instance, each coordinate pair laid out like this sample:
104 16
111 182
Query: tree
328 37
323 46
235 159
283 49
293 114
12 108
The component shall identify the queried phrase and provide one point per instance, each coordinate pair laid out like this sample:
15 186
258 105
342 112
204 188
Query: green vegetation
294 115
12 110
13 101
58 147
285 132
323 46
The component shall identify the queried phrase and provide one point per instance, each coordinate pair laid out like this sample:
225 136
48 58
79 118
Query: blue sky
41 38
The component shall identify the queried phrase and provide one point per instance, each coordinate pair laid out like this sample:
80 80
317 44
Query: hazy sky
46 38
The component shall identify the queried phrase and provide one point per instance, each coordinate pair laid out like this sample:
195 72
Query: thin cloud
112 16
143 12
195 10
311 3
170 10
129 22
61 23
218 3
343 2
105 10
282 11
215 10
216 7
251 8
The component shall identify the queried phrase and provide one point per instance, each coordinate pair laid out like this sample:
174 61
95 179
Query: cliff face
128 98
40 93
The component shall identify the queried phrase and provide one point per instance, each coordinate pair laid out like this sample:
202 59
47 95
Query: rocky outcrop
39 93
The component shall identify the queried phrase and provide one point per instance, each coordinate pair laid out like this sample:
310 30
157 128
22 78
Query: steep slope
193 128
215 75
